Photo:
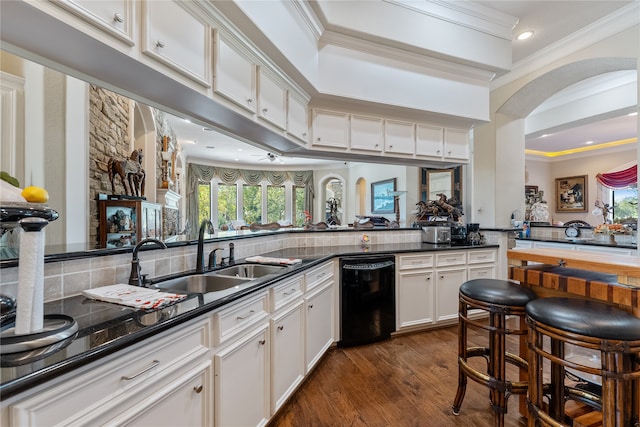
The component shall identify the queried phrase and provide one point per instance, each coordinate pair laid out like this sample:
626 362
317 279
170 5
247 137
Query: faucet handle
212 258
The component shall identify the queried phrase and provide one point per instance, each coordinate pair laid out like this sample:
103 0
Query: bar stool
499 298
609 332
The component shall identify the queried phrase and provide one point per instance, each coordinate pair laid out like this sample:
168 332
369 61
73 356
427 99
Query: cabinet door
319 323
415 298
330 129
235 73
456 144
429 141
177 39
272 99
184 401
287 354
242 381
297 118
366 133
447 285
399 137
114 17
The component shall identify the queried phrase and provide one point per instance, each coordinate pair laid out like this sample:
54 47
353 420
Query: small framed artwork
382 200
571 194
530 189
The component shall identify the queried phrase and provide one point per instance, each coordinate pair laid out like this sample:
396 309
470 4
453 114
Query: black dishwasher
367 299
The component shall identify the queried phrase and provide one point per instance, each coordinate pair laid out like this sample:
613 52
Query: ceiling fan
270 157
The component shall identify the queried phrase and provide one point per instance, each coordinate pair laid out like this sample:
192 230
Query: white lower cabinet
241 395
287 353
415 298
427 284
319 327
448 283
155 380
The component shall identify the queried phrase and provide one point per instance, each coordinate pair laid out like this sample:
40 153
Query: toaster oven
438 235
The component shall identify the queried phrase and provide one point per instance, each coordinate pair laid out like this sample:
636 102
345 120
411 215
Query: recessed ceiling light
589 142
238 149
237 160
207 129
211 147
524 35
635 113
544 135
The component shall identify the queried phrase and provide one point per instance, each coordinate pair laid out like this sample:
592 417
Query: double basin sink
225 280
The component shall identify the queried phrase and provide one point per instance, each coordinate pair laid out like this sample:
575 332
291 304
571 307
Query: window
204 202
275 203
227 204
625 204
298 206
252 204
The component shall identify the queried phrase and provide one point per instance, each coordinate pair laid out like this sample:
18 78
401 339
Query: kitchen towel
134 296
272 260
30 300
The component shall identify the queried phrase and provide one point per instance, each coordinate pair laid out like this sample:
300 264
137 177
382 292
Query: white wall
544 173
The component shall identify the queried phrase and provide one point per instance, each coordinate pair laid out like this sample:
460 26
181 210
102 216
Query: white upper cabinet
366 133
456 144
297 118
176 38
272 99
330 129
235 73
429 141
114 17
399 137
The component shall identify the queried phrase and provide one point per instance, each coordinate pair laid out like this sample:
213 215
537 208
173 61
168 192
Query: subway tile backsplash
68 278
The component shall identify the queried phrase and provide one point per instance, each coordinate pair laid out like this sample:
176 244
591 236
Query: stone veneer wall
68 278
108 137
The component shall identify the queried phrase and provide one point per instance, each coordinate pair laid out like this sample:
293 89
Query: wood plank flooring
409 380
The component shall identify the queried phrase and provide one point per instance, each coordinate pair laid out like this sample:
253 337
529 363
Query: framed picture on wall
382 196
571 194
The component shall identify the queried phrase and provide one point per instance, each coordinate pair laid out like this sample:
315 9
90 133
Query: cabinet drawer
284 293
485 272
479 257
234 319
318 275
451 258
105 383
408 262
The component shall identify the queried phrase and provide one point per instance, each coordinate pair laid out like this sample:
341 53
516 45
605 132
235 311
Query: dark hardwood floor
409 380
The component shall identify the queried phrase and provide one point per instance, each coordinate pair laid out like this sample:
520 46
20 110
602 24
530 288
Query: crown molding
466 14
623 19
309 18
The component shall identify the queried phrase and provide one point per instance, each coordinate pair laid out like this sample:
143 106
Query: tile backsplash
68 278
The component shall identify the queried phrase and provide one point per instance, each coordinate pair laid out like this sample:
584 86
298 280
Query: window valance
202 173
620 179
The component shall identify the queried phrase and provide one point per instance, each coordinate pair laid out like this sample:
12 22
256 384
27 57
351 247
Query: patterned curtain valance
620 179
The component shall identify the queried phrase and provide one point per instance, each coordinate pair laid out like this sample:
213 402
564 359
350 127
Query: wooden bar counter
613 279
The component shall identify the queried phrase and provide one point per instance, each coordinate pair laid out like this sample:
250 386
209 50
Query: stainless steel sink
250 270
201 283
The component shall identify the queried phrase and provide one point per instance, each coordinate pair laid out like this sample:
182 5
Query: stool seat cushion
584 317
495 291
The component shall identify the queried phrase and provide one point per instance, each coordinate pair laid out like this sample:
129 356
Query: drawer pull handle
159 44
281 327
291 291
147 369
117 18
262 342
245 316
310 305
198 389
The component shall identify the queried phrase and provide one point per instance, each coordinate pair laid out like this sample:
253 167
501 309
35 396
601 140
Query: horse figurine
130 171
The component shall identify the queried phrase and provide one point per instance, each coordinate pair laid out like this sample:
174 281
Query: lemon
35 194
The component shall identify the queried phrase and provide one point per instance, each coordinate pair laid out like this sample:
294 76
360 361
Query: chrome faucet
206 223
135 278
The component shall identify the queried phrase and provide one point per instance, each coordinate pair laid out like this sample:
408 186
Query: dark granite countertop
105 328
